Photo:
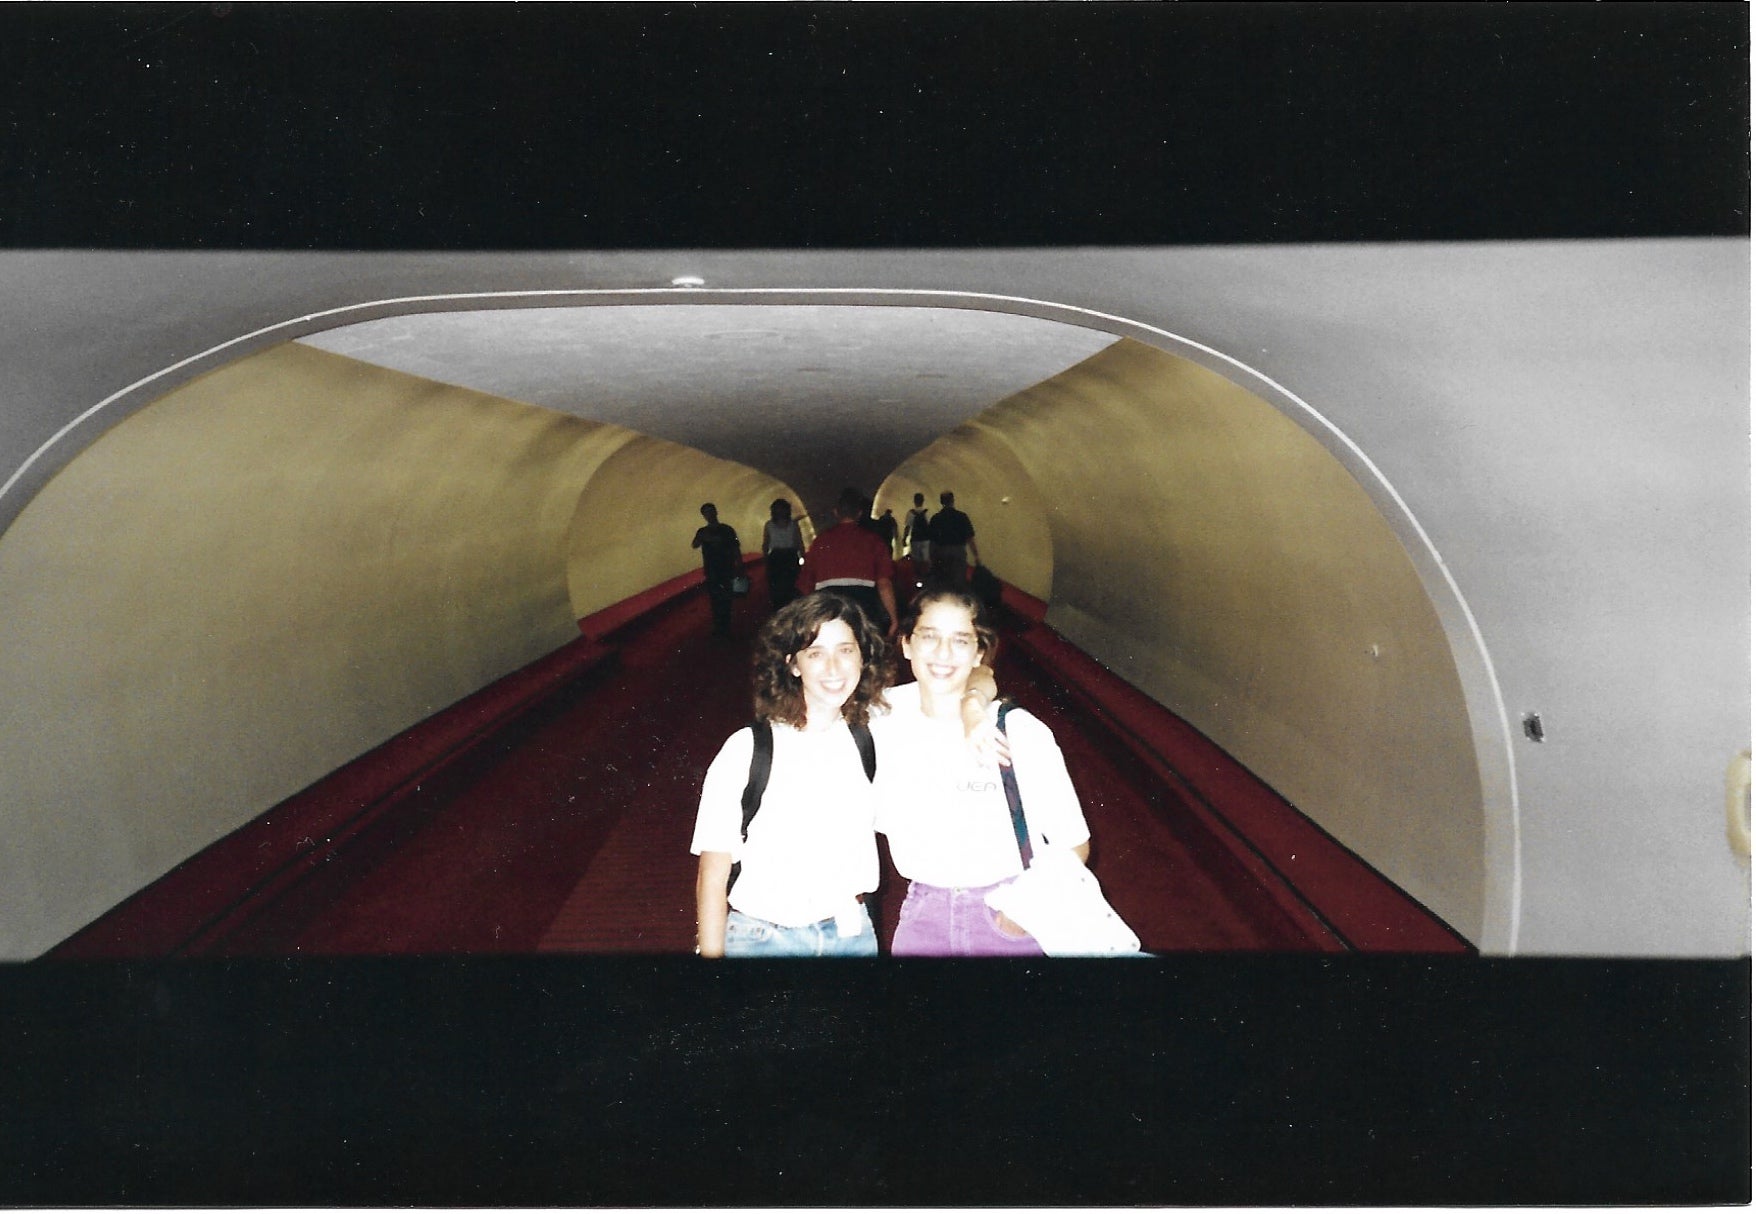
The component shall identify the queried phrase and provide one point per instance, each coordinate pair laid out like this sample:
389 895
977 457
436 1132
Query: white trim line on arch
893 297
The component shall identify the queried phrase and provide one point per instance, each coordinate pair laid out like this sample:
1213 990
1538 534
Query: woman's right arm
716 838
710 903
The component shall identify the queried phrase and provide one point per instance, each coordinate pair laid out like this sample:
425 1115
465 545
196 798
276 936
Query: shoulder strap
1009 781
868 751
761 762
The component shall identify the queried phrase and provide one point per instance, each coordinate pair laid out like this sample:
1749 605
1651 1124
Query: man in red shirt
853 561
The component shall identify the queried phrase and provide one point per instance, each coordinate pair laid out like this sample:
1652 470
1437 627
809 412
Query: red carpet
578 837
565 826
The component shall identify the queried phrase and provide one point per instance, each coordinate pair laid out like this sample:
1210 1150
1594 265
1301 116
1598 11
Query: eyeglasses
960 642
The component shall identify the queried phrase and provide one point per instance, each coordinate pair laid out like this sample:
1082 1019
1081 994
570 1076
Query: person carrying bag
1057 899
945 813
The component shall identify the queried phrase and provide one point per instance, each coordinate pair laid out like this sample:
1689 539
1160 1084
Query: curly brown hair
776 691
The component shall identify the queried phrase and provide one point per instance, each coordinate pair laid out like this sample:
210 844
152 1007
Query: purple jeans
940 922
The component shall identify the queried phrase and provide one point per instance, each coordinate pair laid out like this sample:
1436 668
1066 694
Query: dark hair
853 503
940 591
780 505
946 498
919 498
776 692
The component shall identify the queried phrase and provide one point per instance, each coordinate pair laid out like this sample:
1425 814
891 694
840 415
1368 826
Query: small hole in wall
1533 726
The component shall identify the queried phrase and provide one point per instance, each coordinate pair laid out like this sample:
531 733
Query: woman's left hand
980 732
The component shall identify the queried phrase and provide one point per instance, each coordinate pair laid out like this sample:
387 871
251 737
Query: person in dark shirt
863 515
887 529
953 541
914 537
721 561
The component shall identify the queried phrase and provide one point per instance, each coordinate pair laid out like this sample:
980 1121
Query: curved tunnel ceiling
875 383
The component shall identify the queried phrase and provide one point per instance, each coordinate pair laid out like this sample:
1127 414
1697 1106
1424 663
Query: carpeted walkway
585 815
576 837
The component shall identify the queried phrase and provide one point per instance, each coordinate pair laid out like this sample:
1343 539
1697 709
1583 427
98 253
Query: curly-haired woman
810 856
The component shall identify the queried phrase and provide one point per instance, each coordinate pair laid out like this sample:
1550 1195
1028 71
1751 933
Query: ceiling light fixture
688 280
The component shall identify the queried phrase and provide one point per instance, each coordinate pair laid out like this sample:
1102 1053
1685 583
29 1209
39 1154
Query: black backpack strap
761 763
1009 781
868 750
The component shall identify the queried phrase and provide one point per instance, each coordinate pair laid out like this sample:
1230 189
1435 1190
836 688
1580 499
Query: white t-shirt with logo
811 847
944 812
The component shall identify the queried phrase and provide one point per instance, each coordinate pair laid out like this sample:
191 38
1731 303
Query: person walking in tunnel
914 533
886 528
852 561
865 517
721 561
944 812
784 548
793 839
953 539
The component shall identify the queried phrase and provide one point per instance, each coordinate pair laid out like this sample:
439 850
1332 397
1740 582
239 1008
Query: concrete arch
1490 739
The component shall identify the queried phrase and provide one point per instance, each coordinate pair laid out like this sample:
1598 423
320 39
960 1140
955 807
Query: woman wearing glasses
944 810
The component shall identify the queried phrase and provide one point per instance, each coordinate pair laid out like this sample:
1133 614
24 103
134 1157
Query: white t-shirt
782 536
944 812
811 847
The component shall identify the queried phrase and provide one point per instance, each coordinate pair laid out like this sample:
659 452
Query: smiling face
943 649
828 670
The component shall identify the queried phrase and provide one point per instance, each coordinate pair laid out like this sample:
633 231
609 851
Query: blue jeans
750 937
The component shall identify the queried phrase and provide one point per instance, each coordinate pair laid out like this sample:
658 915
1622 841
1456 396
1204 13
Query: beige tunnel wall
1208 549
262 575
634 521
976 464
